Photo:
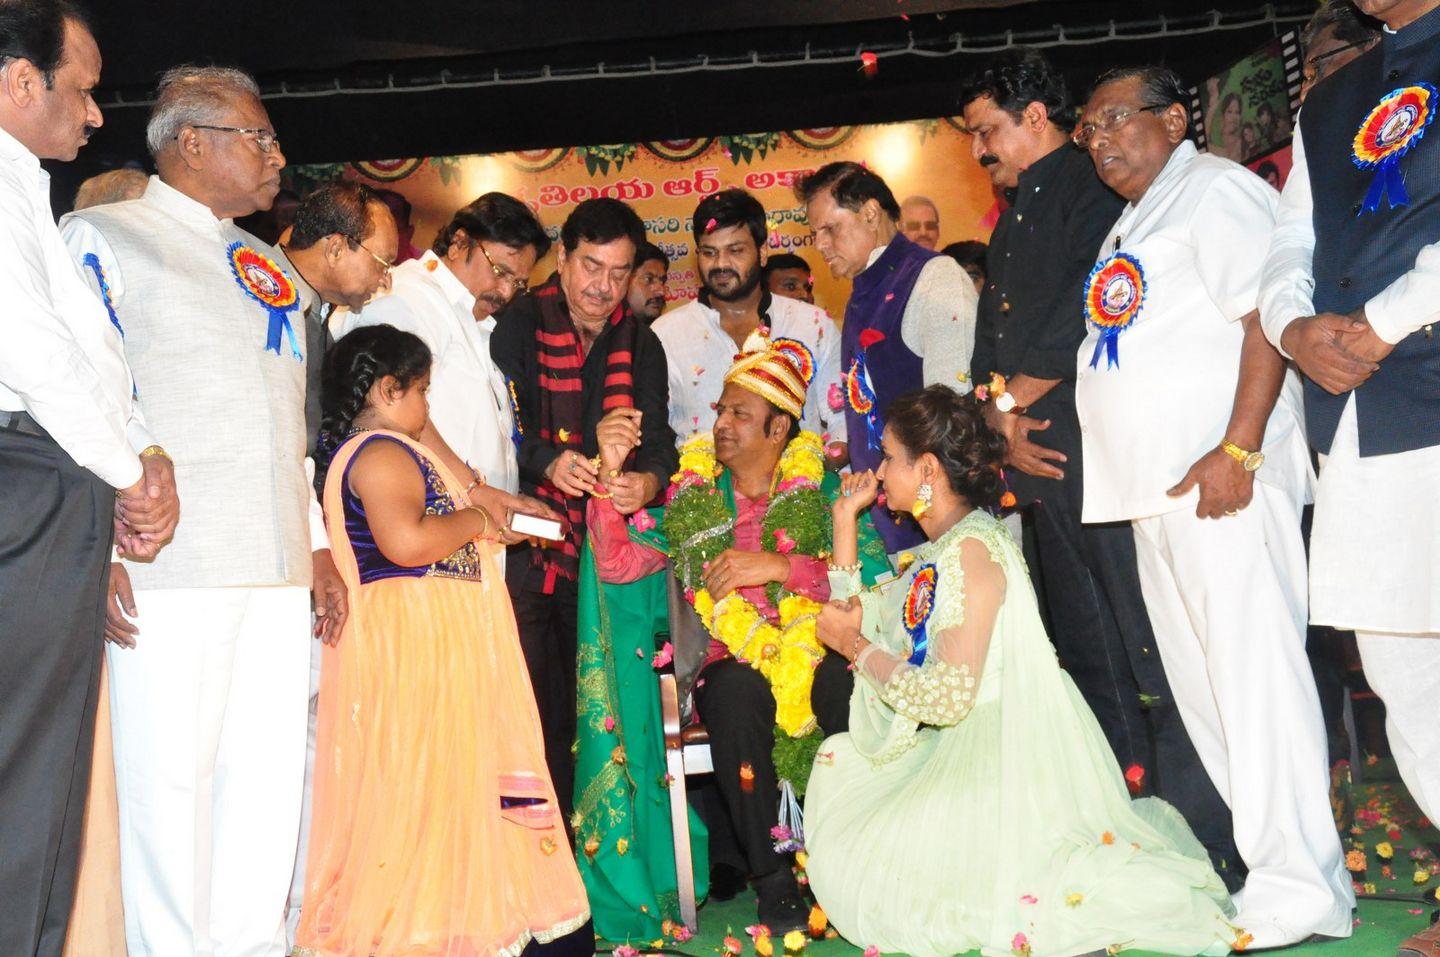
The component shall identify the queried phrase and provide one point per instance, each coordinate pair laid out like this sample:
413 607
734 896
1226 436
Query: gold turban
778 370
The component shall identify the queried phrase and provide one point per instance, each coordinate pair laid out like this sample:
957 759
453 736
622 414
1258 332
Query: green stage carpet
1396 896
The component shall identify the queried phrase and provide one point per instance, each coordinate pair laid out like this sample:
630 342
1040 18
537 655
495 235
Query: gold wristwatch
1250 461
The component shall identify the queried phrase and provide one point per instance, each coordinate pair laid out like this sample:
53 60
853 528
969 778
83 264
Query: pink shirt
619 559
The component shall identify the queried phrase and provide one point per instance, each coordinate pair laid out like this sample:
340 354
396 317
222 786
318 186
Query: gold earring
923 500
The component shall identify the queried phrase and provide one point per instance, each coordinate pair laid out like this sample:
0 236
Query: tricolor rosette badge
799 355
860 391
919 603
1114 296
1393 128
266 283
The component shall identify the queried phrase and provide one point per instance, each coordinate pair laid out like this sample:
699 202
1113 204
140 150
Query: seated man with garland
746 530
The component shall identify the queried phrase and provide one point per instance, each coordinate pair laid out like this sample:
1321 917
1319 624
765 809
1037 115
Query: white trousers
1404 670
1227 601
297 883
209 727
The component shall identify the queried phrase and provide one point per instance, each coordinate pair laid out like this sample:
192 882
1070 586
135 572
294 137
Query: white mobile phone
533 526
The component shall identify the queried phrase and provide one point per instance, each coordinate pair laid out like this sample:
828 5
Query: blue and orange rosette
517 431
799 354
919 603
860 391
1114 296
266 283
1393 128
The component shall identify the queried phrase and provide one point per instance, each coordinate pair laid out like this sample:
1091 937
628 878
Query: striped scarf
562 407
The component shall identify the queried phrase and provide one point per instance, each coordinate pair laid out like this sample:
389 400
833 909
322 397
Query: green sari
625 846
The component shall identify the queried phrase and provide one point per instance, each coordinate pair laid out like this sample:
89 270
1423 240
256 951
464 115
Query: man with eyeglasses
448 297
1335 36
1191 429
208 659
1019 112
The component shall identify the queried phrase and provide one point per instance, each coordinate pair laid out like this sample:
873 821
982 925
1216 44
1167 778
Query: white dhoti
1375 569
209 728
1227 601
297 883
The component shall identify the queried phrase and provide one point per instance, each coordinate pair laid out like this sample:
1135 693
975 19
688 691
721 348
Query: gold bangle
844 569
483 514
152 451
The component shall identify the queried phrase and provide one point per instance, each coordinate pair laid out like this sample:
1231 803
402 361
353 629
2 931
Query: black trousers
548 626
56 527
738 709
1102 634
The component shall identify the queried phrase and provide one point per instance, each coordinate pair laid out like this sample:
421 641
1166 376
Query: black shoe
726 882
781 909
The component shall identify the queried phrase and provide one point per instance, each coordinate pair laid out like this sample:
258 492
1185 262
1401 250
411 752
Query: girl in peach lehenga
435 824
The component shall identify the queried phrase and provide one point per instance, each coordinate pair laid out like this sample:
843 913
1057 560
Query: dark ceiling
368 79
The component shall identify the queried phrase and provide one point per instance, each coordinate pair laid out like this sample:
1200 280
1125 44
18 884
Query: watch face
1253 461
1005 402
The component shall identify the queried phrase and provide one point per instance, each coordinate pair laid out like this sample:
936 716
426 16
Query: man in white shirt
1351 290
209 703
69 436
1183 405
448 297
702 337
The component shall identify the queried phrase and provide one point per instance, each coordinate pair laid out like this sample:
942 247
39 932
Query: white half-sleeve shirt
1200 234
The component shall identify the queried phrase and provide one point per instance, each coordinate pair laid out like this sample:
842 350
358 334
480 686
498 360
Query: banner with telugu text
664 180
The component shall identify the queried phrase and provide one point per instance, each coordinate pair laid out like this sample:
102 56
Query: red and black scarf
562 406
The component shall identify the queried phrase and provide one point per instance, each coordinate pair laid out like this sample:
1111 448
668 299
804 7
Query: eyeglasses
265 139
1085 132
517 285
385 264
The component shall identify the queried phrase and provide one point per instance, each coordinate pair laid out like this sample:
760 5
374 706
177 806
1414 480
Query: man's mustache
989 159
658 302
715 274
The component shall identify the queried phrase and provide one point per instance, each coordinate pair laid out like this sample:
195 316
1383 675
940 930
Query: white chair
687 751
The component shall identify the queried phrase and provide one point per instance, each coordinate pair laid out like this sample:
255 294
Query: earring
923 496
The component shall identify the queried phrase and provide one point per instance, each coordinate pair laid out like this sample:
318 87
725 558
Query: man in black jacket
584 371
1029 329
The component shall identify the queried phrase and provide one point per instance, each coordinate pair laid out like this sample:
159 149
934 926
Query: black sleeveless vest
1359 252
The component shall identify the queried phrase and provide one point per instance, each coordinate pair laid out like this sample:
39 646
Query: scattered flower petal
664 656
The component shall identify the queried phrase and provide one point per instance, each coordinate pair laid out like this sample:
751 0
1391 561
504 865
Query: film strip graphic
1291 65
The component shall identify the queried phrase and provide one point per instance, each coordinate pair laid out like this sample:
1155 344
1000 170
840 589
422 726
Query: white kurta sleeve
1410 302
1287 281
43 364
1230 229
939 323
319 540
827 374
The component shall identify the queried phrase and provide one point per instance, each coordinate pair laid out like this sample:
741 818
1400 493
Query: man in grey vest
1350 291
208 705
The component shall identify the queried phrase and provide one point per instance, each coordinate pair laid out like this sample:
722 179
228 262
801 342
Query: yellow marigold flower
801 858
1384 851
1074 900
817 922
1422 876
796 940
763 947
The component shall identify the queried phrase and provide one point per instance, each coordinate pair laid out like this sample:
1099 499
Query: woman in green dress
974 803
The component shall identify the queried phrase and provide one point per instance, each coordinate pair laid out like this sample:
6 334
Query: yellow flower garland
787 654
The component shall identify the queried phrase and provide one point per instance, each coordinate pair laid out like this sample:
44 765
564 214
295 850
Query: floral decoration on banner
919 603
388 171
600 158
679 151
264 281
744 147
926 129
1114 296
449 168
821 137
1393 128
700 525
538 161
